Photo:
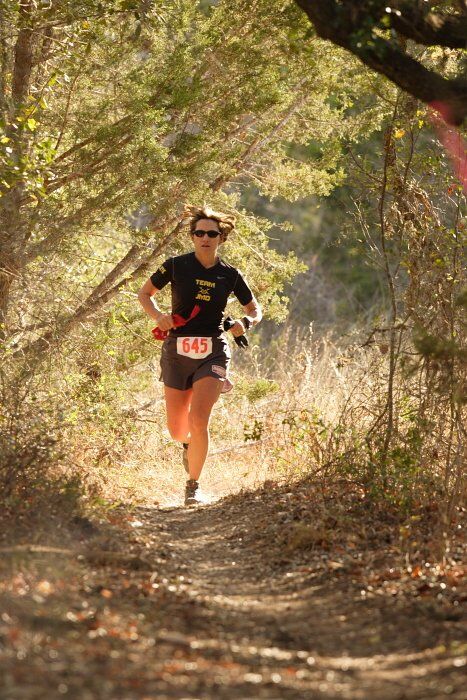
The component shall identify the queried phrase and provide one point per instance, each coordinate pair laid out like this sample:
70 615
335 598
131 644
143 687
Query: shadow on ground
215 603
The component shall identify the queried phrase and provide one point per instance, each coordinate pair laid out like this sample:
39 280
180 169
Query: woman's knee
177 431
198 422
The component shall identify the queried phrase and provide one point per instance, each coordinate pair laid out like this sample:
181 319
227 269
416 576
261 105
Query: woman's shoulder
228 268
175 262
179 262
183 259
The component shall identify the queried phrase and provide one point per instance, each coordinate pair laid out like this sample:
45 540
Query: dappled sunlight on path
208 602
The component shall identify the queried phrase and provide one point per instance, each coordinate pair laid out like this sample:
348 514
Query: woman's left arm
253 315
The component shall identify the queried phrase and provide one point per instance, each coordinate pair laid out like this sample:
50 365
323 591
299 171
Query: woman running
195 356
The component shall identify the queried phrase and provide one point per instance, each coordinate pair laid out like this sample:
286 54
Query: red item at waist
177 321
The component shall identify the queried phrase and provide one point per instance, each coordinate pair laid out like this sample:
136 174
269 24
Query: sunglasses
211 234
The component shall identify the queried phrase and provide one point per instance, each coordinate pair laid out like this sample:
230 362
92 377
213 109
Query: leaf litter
288 591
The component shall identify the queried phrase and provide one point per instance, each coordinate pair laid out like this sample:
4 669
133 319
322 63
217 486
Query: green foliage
303 426
128 117
436 348
253 431
256 389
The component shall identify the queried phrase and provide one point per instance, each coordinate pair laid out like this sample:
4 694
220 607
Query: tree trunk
7 272
12 229
13 225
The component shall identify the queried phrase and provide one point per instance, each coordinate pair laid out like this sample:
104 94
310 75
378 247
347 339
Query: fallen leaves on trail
45 588
291 577
334 565
342 535
428 580
106 593
104 557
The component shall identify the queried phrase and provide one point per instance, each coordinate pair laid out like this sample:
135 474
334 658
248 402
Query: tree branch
429 28
86 142
110 287
343 25
260 141
4 59
60 226
90 170
93 303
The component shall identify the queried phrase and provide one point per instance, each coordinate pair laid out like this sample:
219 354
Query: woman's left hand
237 329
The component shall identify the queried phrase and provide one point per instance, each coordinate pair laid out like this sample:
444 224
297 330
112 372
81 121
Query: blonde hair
225 222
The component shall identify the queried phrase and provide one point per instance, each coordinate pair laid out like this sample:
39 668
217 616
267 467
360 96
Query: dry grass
300 406
276 424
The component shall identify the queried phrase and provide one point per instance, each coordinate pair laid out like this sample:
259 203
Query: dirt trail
204 603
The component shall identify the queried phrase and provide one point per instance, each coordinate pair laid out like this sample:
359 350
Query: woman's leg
206 391
177 403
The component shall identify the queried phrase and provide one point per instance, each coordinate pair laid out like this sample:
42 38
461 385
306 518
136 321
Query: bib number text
194 347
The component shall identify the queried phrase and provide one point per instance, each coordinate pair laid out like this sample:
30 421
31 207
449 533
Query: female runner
195 356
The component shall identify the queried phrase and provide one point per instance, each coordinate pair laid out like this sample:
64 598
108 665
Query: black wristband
247 323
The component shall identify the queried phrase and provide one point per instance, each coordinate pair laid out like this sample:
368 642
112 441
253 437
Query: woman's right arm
145 296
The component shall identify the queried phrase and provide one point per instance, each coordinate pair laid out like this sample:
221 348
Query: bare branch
94 302
61 226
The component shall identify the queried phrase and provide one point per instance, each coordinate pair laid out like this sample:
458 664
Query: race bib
194 347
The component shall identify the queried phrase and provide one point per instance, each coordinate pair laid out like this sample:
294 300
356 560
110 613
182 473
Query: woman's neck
208 259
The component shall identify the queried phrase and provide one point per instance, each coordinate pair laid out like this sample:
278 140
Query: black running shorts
184 360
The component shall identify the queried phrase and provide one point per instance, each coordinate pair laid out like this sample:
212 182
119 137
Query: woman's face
205 244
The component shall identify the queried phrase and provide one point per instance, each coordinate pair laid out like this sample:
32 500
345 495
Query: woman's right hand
165 322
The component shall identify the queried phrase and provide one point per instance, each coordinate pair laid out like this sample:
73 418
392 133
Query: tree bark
23 60
12 225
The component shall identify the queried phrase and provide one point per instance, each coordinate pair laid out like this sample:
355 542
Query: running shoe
185 457
191 497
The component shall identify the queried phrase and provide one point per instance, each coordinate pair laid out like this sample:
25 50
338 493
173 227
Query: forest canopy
113 116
